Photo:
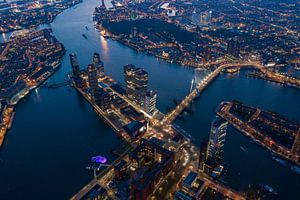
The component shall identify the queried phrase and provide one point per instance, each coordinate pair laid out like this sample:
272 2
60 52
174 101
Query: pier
100 112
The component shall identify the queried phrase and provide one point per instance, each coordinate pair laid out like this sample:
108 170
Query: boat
296 169
231 70
244 150
269 189
280 161
83 35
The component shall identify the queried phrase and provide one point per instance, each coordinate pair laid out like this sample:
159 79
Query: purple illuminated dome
99 159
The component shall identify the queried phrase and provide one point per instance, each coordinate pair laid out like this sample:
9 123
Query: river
55 132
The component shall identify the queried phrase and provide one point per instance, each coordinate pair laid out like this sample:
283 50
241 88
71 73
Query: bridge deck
171 116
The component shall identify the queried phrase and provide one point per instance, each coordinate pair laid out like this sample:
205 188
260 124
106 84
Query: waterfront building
98 65
216 141
99 95
92 79
75 69
136 80
211 149
128 74
233 47
74 64
13 94
141 84
102 99
150 102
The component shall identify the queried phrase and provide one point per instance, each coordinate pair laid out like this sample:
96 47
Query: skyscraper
136 80
216 140
129 74
98 65
141 84
74 65
150 102
233 47
99 95
92 79
75 69
102 99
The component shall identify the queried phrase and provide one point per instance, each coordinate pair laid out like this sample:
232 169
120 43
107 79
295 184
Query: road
189 153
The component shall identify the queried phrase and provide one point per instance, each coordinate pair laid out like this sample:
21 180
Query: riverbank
31 49
31 15
262 76
7 116
151 52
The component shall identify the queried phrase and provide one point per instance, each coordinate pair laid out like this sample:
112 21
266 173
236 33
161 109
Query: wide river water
55 132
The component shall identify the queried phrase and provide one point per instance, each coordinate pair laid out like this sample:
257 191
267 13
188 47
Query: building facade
216 140
150 102
98 65
136 80
75 70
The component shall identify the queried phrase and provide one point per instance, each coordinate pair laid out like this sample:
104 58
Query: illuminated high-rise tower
216 140
98 65
92 78
74 65
75 70
136 80
150 102
129 82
